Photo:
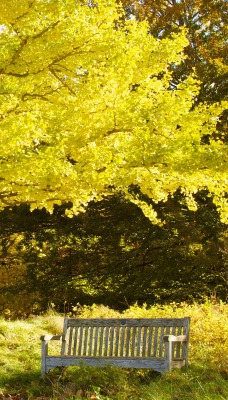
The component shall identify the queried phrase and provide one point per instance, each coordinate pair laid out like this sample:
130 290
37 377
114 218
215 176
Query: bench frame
166 360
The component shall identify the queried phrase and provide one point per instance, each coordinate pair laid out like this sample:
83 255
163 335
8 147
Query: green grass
205 379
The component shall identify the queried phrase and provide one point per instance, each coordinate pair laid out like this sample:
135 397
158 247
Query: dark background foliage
113 255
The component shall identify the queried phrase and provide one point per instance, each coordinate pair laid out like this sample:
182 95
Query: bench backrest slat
138 338
101 336
150 338
85 340
155 342
96 341
75 340
161 343
128 337
122 337
70 340
133 343
91 341
106 341
122 334
111 340
117 337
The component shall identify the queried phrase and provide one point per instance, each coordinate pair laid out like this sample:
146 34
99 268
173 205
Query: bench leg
44 353
168 351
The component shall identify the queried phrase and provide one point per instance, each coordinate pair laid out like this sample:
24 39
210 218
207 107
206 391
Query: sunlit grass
206 378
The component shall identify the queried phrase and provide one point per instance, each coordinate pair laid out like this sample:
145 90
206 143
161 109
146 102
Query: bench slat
117 337
96 341
101 336
133 341
86 329
150 337
75 340
70 340
138 338
154 354
122 342
127 344
124 362
172 322
111 341
91 341
161 344
79 352
144 343
106 344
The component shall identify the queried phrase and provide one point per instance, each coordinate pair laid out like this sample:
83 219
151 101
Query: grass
205 379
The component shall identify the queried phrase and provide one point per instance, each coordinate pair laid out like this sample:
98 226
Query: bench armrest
172 338
169 347
50 337
45 339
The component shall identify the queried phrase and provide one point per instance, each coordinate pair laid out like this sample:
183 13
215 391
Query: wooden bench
157 343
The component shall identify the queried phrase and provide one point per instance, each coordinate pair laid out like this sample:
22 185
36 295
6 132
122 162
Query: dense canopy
88 108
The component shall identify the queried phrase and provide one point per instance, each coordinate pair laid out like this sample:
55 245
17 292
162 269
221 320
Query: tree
87 109
206 23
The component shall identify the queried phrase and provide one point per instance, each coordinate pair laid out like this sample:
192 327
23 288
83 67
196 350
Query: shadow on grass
193 383
60 382
25 384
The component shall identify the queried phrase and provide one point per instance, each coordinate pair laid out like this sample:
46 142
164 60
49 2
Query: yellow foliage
87 109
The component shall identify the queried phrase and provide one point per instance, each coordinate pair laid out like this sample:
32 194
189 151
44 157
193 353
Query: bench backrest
122 337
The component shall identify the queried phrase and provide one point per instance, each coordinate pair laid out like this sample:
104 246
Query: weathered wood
161 343
111 342
117 341
101 340
171 338
155 341
150 338
70 340
158 343
122 342
124 362
127 341
144 341
133 340
138 339
85 341
91 341
75 340
171 322
51 337
106 342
